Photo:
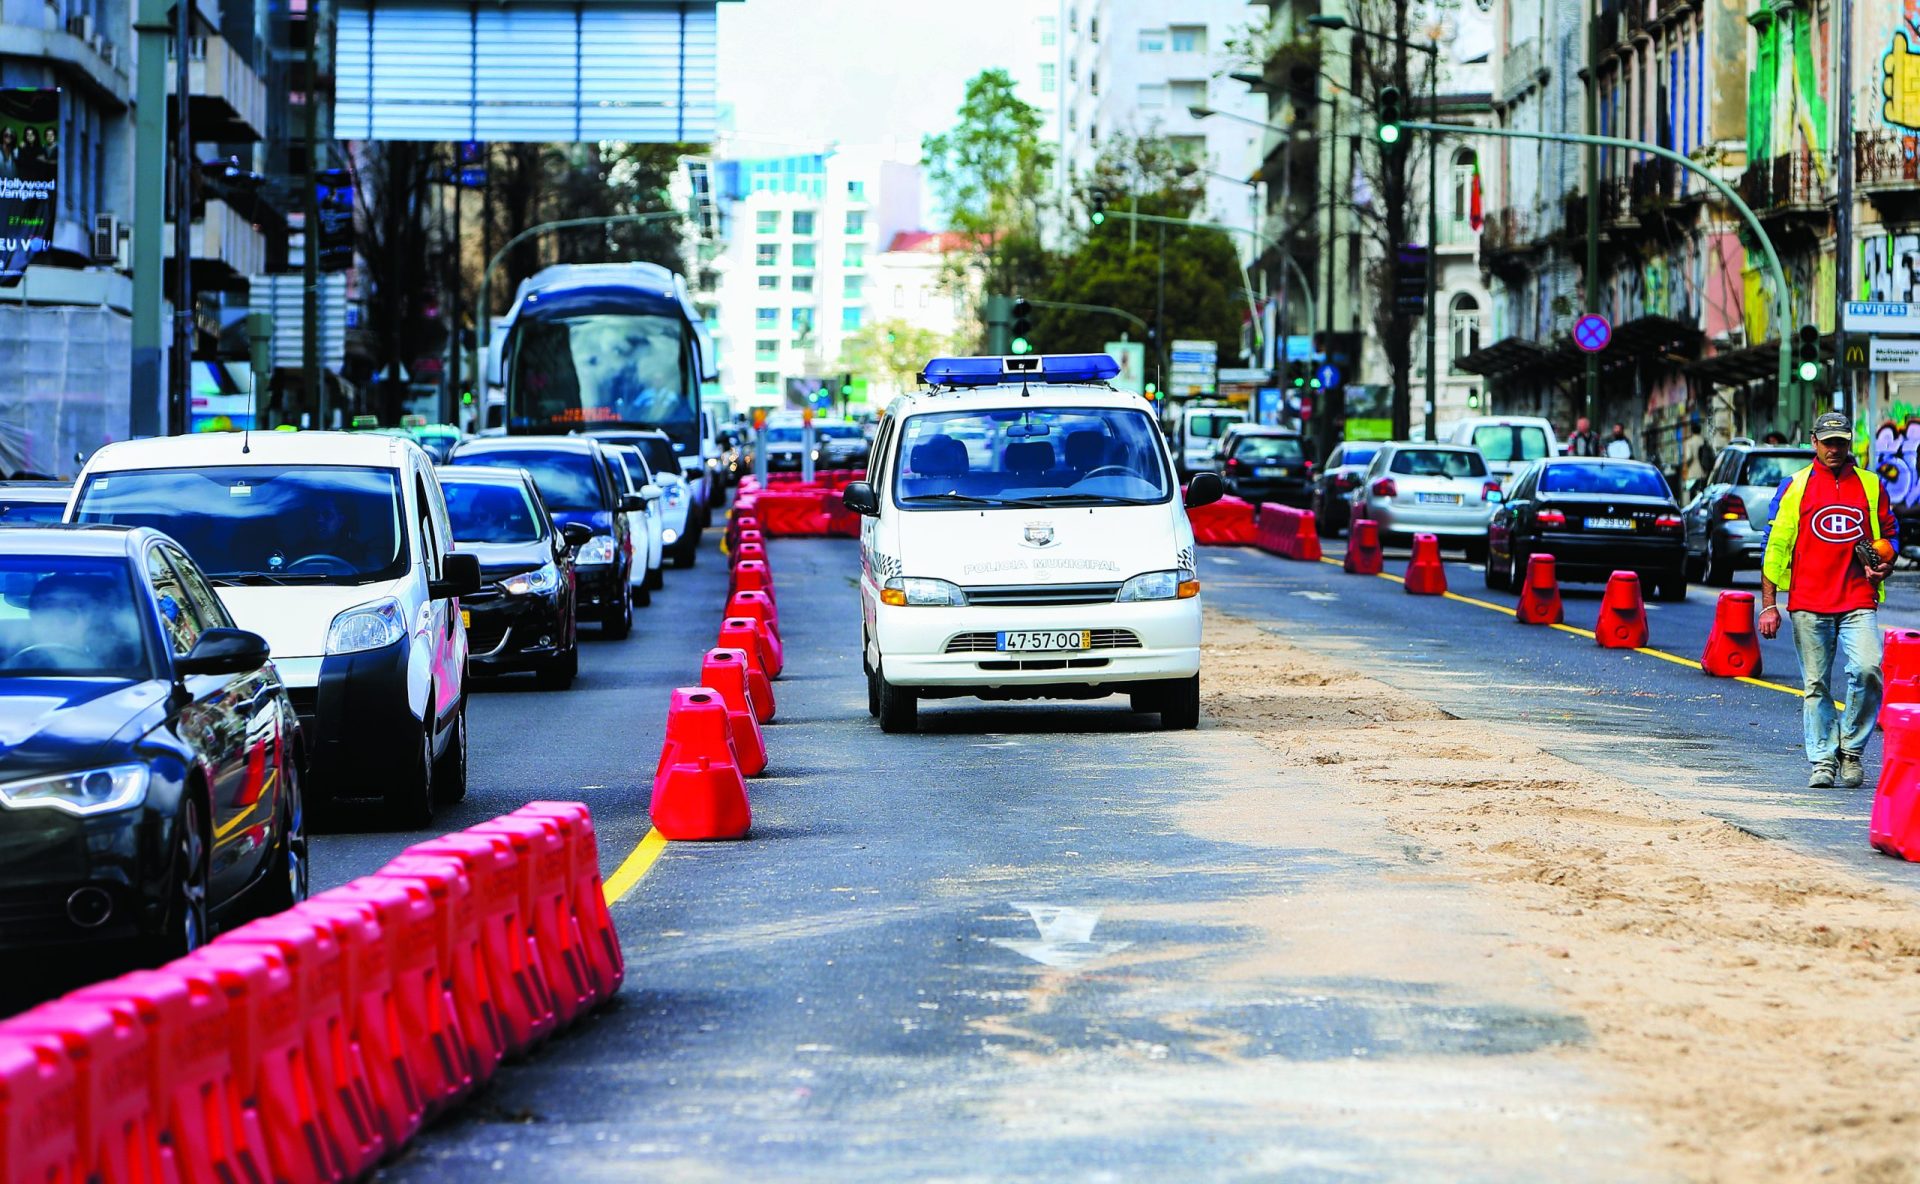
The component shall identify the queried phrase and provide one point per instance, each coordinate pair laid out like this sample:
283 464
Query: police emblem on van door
1037 534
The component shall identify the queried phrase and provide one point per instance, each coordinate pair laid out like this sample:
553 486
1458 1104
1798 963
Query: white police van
1023 536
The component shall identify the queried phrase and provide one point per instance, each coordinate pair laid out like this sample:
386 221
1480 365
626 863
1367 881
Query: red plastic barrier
750 575
40 1099
1275 529
1425 574
1226 523
1895 824
752 536
725 673
207 1135
545 885
698 792
739 524
1900 667
841 522
1540 602
462 962
399 1106
751 553
118 1098
792 512
1733 648
1364 556
1623 614
751 602
747 633
602 943
509 955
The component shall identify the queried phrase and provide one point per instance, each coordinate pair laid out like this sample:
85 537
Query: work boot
1851 774
1822 777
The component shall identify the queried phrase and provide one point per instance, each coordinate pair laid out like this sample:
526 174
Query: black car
1267 465
1334 483
26 503
579 484
1595 517
150 781
523 617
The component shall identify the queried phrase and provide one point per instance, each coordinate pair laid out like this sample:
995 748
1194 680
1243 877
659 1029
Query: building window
802 223
803 254
856 191
1153 41
1187 93
803 283
1465 165
766 318
851 285
1187 38
803 320
1152 94
1466 329
766 382
766 350
1093 82
1049 78
899 296
1049 31
767 221
767 255
769 283
850 318
856 255
1192 149
856 221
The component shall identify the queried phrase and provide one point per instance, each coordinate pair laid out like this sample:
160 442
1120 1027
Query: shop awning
1737 367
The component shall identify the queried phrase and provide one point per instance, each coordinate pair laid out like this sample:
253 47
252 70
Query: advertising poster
29 164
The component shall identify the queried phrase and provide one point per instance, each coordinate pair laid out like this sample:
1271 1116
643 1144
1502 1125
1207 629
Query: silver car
1726 522
1437 489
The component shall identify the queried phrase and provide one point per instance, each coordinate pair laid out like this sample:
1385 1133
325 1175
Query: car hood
498 560
1077 545
295 619
55 724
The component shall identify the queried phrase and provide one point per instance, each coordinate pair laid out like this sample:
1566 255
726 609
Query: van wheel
1145 701
898 708
1180 704
618 623
450 775
873 692
410 802
657 576
687 550
641 594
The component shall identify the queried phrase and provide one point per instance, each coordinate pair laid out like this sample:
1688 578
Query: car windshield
490 512
782 435
63 616
1438 462
1503 442
632 469
661 457
838 431
25 513
1258 448
566 478
1631 480
1357 456
1772 469
318 523
1086 455
1211 427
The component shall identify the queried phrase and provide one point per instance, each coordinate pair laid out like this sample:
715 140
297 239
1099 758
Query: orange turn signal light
894 596
1188 589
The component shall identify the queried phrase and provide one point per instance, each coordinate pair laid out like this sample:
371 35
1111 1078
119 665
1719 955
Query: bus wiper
969 499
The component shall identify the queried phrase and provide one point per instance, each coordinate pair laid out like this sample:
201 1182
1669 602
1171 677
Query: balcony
228 104
1785 184
1658 184
1616 203
225 246
1885 159
1519 69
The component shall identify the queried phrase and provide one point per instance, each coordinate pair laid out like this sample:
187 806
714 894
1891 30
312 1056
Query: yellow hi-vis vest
1785 528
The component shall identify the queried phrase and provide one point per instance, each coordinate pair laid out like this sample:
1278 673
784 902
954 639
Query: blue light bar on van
1018 368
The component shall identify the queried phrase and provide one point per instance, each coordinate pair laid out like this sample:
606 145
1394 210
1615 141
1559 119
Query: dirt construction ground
1755 1011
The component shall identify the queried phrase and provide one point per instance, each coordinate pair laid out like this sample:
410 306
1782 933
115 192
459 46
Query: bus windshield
600 369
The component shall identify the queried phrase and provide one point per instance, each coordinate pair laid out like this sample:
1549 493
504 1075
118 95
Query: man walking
1584 441
1820 552
1618 446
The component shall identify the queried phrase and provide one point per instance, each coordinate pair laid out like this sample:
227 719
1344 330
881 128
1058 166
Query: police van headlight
919 592
1180 584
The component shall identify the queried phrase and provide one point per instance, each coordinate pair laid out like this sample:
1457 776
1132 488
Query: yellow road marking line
635 865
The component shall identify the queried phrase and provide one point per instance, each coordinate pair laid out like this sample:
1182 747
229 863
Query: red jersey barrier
602 944
1895 824
698 792
750 575
117 1100
457 934
1287 532
1364 556
1426 575
792 512
1623 614
542 879
1226 523
725 673
40 1098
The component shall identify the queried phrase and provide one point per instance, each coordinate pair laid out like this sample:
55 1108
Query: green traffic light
1020 345
1809 371
1152 388
1389 133
1099 216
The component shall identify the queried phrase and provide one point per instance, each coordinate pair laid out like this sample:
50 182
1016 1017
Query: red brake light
1489 487
1234 465
1309 468
1385 487
1732 508
1551 518
1666 522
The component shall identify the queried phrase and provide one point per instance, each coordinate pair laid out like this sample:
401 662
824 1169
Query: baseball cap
1832 425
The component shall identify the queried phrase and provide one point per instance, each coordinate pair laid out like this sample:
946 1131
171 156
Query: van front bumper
957 648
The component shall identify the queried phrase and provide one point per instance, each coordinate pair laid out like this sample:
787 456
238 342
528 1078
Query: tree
891 353
991 172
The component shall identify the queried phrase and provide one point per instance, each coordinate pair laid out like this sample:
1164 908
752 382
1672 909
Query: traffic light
1410 279
1022 327
1389 115
1097 199
1809 353
1297 374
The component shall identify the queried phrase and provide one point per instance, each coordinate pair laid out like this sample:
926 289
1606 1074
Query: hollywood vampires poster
29 166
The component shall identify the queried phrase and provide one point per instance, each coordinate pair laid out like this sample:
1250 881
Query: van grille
987 643
1046 664
1019 594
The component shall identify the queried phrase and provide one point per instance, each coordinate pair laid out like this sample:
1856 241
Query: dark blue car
150 761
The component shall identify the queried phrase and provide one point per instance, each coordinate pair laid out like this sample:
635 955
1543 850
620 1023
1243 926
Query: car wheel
1180 705
873 691
189 924
657 577
558 671
288 871
618 623
1321 526
1498 574
1475 550
1672 587
1719 567
450 777
410 802
641 594
687 550
1696 567
899 709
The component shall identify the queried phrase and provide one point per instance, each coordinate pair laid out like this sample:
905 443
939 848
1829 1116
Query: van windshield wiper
970 500
1093 499
240 578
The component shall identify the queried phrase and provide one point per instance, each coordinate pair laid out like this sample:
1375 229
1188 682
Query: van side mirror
632 503
861 499
223 651
459 576
1204 490
576 534
649 492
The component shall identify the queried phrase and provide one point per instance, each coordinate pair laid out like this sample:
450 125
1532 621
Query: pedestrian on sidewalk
1618 446
1584 441
1821 553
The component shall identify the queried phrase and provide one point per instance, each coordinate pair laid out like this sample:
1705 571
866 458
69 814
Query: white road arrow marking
1066 937
1314 595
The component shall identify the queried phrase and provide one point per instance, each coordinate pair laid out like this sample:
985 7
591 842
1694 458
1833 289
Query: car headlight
368 627
669 535
599 549
530 583
1160 585
921 592
90 791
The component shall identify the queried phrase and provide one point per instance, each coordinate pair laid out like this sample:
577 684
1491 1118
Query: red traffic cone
750 575
1308 546
1733 648
748 602
743 633
1895 824
725 673
753 536
764 644
1425 576
697 788
1363 549
1623 615
1540 594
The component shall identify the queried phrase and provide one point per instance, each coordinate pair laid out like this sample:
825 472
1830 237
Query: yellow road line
635 865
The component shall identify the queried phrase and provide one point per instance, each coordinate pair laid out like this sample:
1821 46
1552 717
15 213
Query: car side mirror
861 499
459 576
576 534
224 651
649 492
1204 490
632 503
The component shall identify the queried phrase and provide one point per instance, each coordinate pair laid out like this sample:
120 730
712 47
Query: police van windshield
1021 457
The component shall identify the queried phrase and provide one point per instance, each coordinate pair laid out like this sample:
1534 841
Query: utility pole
1329 394
1433 246
149 416
1160 313
180 363
1843 213
1591 399
313 386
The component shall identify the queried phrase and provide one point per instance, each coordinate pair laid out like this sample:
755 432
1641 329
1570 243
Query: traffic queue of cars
230 632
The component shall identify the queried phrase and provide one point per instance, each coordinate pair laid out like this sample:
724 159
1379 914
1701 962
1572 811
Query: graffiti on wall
1890 267
1896 456
1900 73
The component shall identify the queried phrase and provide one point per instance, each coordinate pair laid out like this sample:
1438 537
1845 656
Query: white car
679 521
1445 490
1023 537
336 548
641 524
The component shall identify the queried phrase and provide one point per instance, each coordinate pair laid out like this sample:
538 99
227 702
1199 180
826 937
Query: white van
1023 537
1509 442
336 548
1199 432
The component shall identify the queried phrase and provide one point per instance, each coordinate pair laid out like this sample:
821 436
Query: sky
800 73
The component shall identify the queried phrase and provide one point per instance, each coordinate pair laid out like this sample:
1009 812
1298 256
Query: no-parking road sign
1592 332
